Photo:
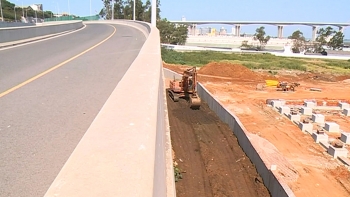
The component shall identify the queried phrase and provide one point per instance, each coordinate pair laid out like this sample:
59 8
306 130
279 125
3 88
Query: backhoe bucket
195 102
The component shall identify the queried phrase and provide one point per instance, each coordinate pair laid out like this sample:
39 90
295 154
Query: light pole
154 13
36 17
2 16
134 10
112 9
14 9
90 7
68 8
22 9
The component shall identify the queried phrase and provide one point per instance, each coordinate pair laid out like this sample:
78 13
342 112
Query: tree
298 41
337 41
260 36
323 36
106 11
171 33
119 9
330 38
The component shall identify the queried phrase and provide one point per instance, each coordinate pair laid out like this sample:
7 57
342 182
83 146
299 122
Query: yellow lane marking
55 67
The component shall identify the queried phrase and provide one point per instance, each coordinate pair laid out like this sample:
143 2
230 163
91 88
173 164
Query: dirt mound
229 70
176 67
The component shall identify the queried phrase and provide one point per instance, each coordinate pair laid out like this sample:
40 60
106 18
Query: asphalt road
42 122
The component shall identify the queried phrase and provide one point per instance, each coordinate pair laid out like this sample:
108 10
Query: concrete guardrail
276 187
127 149
20 33
17 24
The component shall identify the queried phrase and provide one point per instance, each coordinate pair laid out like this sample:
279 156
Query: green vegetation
177 174
123 9
256 61
9 10
260 35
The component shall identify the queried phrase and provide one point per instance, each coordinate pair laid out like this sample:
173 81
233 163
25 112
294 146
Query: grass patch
264 61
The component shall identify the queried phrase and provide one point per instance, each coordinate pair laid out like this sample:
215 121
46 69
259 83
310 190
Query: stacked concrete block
345 137
309 104
320 137
344 105
294 118
284 110
346 112
276 103
337 152
318 118
306 110
331 127
305 127
283 102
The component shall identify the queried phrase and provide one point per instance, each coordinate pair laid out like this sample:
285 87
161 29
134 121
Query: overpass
280 25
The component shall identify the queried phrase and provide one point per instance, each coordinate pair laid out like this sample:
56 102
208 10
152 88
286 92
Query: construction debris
316 89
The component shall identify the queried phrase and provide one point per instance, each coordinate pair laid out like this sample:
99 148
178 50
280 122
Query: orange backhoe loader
186 88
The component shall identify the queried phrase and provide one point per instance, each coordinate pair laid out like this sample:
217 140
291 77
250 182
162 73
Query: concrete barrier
277 187
127 149
21 33
10 24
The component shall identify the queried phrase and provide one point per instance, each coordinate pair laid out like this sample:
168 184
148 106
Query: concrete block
284 110
331 127
346 112
337 152
325 144
318 118
344 105
305 127
295 118
309 104
319 137
283 102
344 160
306 111
276 103
345 137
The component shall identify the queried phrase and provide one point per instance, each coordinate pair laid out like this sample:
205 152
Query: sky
242 10
259 10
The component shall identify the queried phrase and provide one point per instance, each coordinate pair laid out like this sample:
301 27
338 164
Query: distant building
204 31
223 31
183 18
37 7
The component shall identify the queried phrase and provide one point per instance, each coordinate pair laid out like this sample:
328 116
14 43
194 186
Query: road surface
44 116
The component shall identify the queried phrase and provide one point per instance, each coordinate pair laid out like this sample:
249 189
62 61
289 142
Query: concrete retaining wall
276 187
127 149
20 33
7 24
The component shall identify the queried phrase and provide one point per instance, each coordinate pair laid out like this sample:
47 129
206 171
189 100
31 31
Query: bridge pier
314 32
238 30
194 27
280 31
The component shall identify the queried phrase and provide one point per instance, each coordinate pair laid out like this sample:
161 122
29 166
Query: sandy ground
306 166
